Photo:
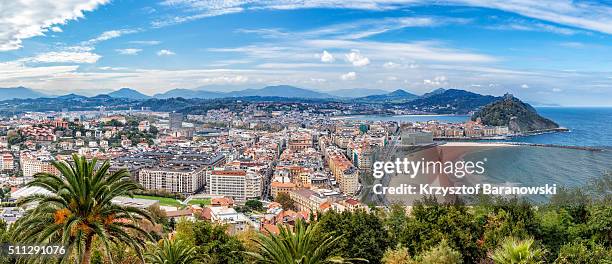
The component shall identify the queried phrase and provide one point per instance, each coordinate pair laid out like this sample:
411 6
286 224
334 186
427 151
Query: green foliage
399 255
305 245
441 254
515 251
526 119
285 200
431 222
362 234
172 252
583 253
254 205
509 217
80 210
212 242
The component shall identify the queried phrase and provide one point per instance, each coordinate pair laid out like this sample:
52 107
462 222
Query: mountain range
370 95
441 101
19 93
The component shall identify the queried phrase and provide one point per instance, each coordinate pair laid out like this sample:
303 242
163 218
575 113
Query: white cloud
524 86
438 80
391 65
523 25
556 90
349 76
145 42
575 45
589 15
327 57
56 29
64 57
111 34
22 19
391 78
165 52
129 51
355 58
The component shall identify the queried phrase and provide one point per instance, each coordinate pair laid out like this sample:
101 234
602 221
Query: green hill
512 112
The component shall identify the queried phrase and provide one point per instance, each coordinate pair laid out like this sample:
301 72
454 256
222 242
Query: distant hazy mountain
280 91
356 92
515 114
452 101
189 94
129 94
434 92
72 96
19 93
397 96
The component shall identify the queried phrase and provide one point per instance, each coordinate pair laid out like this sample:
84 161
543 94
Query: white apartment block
30 165
173 179
239 184
7 161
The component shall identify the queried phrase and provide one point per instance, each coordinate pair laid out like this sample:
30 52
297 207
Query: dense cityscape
254 170
305 132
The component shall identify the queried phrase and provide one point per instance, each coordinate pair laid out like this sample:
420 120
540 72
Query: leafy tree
172 252
583 253
305 245
395 222
254 205
398 255
599 224
431 222
285 200
509 218
212 242
515 251
441 254
80 209
362 234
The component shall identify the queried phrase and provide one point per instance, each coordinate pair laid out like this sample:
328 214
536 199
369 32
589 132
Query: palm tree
514 251
80 210
304 246
172 252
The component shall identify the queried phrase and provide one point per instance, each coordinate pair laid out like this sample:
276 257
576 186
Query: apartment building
240 185
174 179
36 163
7 162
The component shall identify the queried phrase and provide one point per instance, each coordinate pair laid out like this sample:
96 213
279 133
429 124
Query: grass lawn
162 200
199 201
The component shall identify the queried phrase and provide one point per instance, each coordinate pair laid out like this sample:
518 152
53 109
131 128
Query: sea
537 166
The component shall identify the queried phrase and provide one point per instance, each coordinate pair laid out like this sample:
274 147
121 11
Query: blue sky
541 51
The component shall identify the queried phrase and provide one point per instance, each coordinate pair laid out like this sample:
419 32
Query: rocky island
519 117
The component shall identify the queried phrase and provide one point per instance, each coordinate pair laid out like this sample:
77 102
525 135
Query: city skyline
547 52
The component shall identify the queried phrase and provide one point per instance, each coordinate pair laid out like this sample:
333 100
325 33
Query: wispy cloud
129 51
588 15
358 29
111 34
165 52
64 57
145 42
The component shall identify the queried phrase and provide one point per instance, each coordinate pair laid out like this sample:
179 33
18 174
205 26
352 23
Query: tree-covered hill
512 112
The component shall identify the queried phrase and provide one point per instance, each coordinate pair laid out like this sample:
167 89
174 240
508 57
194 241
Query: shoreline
407 115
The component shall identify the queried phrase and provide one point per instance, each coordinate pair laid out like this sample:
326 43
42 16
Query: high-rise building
176 120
